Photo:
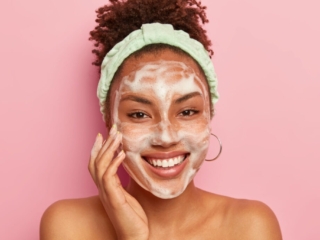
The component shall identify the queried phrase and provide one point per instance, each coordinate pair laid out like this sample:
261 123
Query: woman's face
162 108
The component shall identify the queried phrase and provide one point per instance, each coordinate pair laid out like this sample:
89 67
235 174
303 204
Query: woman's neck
168 212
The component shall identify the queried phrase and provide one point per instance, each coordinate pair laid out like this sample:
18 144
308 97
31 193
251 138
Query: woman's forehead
165 65
179 63
161 74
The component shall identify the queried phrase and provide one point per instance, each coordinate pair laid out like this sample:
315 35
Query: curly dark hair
118 19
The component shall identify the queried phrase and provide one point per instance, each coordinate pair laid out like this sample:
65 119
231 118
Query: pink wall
267 60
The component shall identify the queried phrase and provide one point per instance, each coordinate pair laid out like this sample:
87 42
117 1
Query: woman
157 92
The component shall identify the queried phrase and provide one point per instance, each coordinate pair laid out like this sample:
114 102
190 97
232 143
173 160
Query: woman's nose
166 135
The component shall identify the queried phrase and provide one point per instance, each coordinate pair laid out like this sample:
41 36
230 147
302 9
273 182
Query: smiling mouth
167 162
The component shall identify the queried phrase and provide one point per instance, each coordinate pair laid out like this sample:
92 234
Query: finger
111 182
102 163
110 139
114 165
94 152
97 152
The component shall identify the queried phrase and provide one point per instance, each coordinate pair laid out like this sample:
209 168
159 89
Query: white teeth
170 162
158 163
165 163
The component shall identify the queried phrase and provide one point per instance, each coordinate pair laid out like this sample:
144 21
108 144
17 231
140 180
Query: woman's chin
168 193
164 189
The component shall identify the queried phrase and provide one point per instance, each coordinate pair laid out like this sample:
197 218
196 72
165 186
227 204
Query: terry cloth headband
153 33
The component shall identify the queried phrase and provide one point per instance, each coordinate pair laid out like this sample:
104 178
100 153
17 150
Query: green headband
151 34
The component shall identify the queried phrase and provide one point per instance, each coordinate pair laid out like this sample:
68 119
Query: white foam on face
163 81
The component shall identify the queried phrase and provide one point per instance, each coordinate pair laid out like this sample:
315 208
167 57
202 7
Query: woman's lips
166 165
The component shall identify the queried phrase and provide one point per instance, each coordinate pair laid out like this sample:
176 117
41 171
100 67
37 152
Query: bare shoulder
253 220
241 219
83 218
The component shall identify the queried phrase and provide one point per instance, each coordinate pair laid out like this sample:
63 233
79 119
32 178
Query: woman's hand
124 211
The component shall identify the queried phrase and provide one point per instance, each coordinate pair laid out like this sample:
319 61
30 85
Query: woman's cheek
199 132
196 141
135 137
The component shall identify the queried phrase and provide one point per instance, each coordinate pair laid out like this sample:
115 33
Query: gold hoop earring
219 151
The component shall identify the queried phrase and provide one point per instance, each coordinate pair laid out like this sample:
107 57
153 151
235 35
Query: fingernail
97 137
113 130
119 135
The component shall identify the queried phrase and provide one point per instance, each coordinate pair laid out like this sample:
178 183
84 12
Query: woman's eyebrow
137 99
186 97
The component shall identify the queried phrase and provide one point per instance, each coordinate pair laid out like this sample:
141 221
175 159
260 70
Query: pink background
267 61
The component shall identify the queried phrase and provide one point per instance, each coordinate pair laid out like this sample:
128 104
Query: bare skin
134 213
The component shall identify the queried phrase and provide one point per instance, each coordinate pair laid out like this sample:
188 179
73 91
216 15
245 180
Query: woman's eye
138 115
188 112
